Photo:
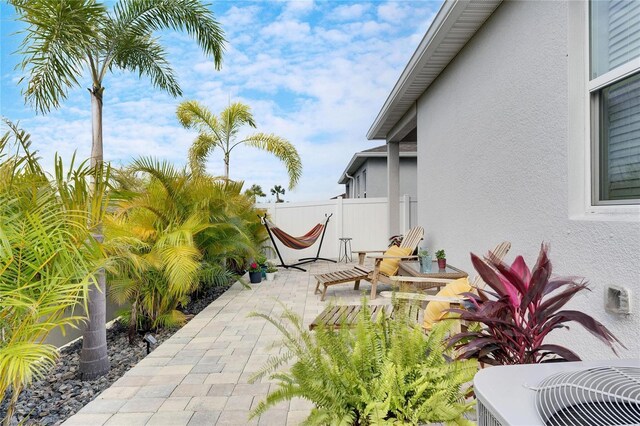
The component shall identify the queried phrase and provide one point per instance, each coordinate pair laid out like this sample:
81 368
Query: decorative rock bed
61 394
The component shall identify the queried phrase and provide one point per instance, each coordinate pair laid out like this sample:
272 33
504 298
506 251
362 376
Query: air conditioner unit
566 393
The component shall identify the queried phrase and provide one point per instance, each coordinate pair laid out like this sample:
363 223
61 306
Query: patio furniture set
396 266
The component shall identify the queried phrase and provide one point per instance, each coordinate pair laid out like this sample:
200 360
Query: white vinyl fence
365 220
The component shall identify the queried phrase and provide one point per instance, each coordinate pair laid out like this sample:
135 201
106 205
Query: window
614 91
364 183
357 186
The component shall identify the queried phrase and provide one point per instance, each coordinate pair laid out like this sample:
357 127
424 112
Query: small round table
345 250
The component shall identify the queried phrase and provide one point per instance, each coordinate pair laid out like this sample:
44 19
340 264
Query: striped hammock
296 243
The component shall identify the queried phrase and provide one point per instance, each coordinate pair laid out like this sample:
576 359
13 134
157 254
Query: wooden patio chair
385 266
412 239
499 252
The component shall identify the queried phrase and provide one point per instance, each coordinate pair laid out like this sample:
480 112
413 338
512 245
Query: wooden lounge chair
409 243
412 239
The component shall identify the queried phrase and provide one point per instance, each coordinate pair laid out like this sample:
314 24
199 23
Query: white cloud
393 12
349 12
287 31
297 8
308 78
239 17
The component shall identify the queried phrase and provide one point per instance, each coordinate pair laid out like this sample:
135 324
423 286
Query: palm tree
65 38
255 191
221 132
46 262
277 190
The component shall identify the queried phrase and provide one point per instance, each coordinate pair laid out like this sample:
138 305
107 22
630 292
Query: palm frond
143 54
283 150
58 36
199 151
235 116
191 16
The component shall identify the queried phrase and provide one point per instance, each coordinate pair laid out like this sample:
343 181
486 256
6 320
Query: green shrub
170 233
47 260
383 372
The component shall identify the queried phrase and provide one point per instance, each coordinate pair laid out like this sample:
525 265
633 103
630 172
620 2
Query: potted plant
255 273
442 259
425 260
261 260
271 271
525 306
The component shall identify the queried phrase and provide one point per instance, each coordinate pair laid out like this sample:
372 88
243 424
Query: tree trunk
94 360
15 393
226 166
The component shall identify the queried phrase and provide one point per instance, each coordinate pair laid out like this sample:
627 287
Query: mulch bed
59 396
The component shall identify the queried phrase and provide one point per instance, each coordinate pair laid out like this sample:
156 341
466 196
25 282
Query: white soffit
454 25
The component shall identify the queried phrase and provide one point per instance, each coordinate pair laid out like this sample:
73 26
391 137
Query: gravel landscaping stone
61 394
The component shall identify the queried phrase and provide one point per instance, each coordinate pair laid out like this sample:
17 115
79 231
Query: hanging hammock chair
297 243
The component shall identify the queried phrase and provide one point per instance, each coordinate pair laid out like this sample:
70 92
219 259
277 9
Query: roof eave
360 157
439 33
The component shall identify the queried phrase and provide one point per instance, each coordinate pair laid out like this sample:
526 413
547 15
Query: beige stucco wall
492 164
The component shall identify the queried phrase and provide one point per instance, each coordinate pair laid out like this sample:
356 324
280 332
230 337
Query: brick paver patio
200 376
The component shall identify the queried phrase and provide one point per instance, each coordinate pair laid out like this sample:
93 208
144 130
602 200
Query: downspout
351 186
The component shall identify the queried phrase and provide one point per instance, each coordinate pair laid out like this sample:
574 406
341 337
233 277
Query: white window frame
364 183
582 128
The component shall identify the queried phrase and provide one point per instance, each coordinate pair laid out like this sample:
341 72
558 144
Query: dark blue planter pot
255 277
263 272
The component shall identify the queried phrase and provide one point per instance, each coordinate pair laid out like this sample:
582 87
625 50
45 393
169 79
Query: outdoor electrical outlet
617 300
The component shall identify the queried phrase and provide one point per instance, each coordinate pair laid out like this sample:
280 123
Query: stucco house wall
408 177
377 177
493 166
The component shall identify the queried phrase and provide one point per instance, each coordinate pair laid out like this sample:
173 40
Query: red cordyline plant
525 308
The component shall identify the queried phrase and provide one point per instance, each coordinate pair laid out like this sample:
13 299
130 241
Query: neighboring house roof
453 26
407 149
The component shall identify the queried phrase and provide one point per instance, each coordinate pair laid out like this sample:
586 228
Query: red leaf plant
525 307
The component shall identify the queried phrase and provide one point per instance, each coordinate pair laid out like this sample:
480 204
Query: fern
385 372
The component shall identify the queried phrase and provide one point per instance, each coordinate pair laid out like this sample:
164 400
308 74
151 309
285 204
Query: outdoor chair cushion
435 311
389 267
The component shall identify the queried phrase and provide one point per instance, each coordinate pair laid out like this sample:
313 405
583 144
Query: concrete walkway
200 376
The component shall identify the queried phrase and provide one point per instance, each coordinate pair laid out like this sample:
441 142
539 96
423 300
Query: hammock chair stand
304 260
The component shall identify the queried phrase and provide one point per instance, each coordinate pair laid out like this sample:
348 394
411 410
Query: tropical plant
222 131
47 259
384 372
261 259
277 190
170 233
271 268
440 254
255 191
524 309
64 38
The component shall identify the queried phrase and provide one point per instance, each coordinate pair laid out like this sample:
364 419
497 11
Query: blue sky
315 73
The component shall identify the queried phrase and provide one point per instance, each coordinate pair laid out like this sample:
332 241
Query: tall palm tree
222 131
66 38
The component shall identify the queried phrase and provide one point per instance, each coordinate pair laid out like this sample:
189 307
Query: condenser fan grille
595 396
